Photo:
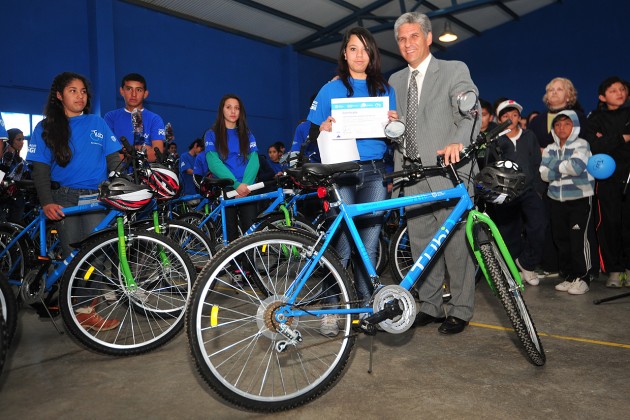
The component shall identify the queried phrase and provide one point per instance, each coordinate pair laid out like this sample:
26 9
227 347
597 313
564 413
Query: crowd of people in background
565 222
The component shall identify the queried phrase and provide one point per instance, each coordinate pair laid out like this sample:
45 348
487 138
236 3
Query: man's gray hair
413 17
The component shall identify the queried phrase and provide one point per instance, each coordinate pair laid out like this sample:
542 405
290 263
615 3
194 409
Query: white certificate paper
359 118
333 150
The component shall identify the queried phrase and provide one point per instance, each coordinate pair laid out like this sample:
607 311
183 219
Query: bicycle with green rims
258 343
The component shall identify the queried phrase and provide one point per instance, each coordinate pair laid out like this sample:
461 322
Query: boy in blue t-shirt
140 126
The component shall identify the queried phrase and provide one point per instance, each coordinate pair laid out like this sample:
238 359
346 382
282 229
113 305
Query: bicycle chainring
32 289
407 303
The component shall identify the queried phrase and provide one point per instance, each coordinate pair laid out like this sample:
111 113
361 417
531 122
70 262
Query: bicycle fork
480 229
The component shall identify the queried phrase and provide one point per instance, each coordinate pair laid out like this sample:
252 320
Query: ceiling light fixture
447 35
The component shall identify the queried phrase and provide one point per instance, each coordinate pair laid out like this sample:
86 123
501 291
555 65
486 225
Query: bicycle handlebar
464 154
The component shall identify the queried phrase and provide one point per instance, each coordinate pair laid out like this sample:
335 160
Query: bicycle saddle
325 170
218 182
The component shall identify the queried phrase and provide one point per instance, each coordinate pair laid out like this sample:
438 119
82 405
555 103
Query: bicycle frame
40 224
348 211
278 197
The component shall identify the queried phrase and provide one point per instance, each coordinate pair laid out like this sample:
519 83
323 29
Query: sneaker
328 326
578 287
90 319
529 276
110 296
614 279
564 286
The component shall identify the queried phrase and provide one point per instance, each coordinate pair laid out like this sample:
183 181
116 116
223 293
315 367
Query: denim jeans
74 229
364 186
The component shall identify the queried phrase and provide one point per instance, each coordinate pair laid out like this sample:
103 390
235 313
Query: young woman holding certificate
359 75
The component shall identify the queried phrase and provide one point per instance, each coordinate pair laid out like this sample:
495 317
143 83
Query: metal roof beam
335 27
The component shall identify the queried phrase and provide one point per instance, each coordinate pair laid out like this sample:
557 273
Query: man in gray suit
439 128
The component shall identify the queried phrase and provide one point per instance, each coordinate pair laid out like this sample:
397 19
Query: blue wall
582 40
189 66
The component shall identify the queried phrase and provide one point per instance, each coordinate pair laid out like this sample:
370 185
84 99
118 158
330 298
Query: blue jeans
364 186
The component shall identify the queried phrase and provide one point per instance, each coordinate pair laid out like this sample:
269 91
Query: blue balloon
601 166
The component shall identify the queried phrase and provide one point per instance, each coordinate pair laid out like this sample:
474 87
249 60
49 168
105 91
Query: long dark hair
376 83
220 130
56 125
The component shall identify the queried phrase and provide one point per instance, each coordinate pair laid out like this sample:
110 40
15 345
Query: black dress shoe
423 319
452 325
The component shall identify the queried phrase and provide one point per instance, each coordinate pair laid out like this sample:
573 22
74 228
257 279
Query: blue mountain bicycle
258 343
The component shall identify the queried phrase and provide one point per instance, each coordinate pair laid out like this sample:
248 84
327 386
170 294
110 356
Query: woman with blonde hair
560 94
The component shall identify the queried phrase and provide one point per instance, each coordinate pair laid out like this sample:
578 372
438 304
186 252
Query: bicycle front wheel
110 314
511 297
234 333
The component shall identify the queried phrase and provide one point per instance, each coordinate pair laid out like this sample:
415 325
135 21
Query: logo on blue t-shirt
32 147
96 137
161 132
314 106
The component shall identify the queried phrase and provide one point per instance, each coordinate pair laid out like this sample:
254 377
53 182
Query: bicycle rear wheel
510 295
234 334
149 313
9 307
400 258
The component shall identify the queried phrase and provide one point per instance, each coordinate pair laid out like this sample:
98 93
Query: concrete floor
478 374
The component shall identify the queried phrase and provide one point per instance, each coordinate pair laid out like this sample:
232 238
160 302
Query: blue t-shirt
119 120
301 133
3 129
200 167
186 161
234 161
276 166
321 109
91 141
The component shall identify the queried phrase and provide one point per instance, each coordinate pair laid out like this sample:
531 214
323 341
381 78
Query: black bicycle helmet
500 182
123 194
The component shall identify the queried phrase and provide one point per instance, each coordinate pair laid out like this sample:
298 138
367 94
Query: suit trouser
455 257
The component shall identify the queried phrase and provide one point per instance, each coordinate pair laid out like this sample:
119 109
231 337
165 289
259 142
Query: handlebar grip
401 174
159 157
498 129
26 183
126 144
253 187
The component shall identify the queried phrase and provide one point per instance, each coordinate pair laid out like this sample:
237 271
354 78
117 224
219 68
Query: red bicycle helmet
500 182
123 194
163 181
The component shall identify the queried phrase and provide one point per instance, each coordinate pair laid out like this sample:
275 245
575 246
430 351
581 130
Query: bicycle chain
323 305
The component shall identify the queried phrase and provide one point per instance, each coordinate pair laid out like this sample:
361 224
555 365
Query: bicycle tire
278 220
4 342
150 315
234 345
400 258
510 295
13 264
209 228
9 307
382 258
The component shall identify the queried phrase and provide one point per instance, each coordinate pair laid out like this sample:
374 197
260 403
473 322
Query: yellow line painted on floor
560 337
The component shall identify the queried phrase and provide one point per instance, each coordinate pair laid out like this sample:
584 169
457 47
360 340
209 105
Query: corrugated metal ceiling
315 26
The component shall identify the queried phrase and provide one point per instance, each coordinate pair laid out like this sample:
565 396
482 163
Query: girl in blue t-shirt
76 150
231 152
359 75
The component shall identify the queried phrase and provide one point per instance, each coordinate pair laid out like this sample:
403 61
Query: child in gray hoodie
571 189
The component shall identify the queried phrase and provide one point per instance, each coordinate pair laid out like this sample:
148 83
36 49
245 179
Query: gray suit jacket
439 121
